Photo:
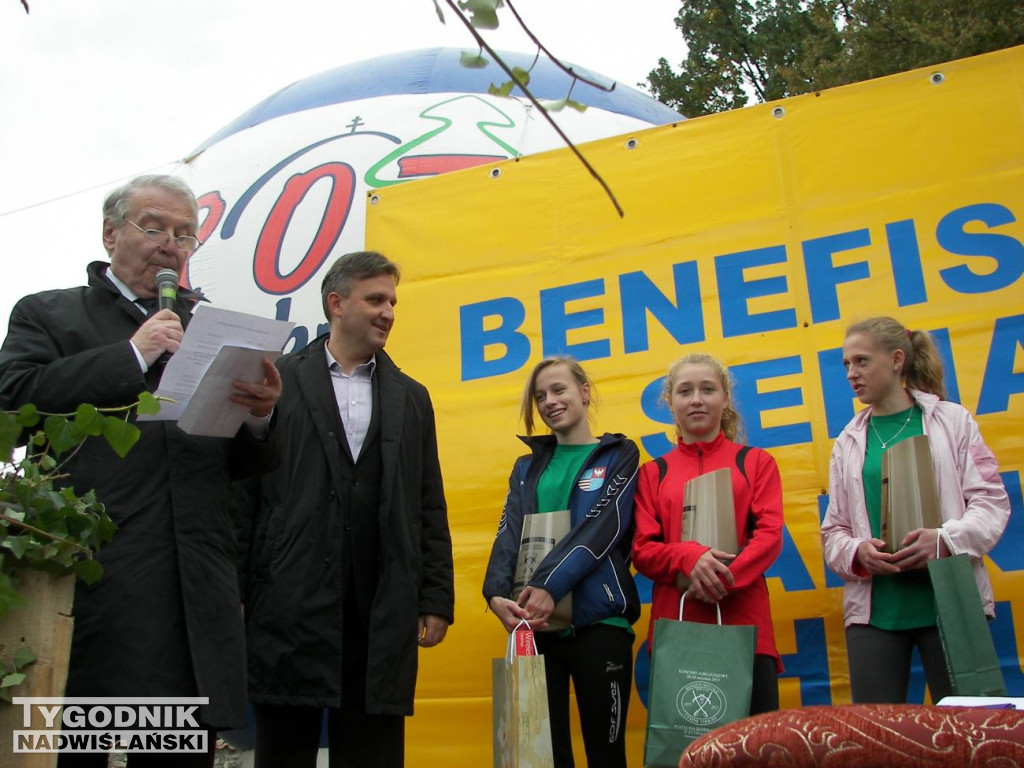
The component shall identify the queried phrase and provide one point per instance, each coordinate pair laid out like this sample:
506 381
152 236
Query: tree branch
483 44
554 60
38 531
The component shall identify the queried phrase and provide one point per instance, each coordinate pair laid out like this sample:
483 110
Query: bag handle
510 646
718 608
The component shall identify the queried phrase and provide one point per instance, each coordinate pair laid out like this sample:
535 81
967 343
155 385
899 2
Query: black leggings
880 663
599 659
764 694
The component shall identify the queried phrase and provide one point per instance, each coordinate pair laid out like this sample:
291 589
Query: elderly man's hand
160 333
431 630
259 397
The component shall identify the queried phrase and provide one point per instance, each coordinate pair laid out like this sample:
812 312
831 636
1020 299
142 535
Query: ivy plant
44 524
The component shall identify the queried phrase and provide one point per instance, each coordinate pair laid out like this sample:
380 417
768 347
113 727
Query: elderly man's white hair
115 207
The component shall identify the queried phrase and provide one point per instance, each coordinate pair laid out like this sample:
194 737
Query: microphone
166 288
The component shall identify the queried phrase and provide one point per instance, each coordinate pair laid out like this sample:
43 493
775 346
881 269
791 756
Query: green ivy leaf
482 13
521 76
440 13
148 404
9 597
501 90
60 434
576 105
120 434
15 678
88 422
10 431
17 514
471 60
23 657
88 570
28 415
17 545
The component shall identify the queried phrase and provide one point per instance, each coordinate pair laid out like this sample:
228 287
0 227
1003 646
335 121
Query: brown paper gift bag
709 514
541 532
910 499
522 726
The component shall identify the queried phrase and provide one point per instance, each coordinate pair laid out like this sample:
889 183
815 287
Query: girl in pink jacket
888 602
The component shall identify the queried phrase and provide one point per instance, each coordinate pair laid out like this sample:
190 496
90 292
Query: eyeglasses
187 243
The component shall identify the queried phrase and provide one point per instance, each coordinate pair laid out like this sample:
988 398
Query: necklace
887 443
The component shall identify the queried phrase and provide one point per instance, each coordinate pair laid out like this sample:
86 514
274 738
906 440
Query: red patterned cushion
866 736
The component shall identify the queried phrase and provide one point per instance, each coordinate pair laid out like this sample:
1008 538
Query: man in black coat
350 568
165 619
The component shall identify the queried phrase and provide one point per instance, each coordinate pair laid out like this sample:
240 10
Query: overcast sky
97 91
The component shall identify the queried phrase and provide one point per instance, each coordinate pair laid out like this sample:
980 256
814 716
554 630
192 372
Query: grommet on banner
495 173
778 112
937 78
632 144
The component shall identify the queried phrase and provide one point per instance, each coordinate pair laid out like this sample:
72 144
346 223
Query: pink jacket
974 504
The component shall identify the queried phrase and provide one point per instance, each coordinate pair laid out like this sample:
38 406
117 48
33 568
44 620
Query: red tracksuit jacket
660 555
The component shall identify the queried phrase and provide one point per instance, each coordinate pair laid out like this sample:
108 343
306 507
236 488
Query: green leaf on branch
23 657
88 570
15 678
28 415
16 544
60 434
471 60
521 76
88 422
483 14
120 434
148 404
10 431
503 90
9 597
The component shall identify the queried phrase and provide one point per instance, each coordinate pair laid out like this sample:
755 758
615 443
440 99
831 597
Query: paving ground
226 757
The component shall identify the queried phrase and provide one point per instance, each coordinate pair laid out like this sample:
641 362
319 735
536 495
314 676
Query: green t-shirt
906 600
555 487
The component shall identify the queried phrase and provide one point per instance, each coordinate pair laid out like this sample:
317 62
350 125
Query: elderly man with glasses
164 621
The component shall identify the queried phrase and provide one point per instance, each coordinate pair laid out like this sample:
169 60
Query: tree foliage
738 50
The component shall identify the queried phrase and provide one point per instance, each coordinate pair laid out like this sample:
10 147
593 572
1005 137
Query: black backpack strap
741 456
662 468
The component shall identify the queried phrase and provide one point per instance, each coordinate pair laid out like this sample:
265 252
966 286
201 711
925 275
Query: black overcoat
293 599
165 619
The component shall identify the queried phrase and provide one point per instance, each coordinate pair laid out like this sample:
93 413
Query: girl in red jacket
697 390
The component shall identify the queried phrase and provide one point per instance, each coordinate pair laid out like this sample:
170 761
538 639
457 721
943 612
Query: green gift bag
966 640
701 678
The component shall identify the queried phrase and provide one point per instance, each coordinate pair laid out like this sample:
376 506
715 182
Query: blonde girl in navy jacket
594 479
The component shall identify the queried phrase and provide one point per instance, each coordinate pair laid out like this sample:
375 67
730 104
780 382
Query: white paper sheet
237 342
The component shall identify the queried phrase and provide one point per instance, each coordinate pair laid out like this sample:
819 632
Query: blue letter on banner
475 339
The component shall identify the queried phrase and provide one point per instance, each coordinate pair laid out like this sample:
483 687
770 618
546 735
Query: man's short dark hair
351 267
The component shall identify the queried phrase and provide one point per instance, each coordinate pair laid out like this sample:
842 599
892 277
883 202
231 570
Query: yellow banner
756 235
